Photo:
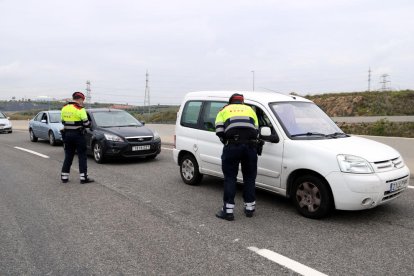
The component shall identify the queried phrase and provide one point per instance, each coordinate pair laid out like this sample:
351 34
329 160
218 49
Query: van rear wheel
312 197
189 170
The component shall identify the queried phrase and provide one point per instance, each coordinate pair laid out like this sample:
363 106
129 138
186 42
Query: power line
369 79
88 93
147 94
384 82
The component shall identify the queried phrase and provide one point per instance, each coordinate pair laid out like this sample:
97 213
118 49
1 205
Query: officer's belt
69 128
243 141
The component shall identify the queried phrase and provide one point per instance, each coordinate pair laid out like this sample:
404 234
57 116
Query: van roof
258 96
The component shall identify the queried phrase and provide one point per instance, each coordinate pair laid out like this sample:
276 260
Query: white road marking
286 262
411 187
32 152
166 148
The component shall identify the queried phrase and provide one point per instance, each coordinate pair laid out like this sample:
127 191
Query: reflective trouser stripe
83 176
229 208
250 206
64 175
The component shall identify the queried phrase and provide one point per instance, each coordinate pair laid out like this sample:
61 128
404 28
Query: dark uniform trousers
233 155
74 141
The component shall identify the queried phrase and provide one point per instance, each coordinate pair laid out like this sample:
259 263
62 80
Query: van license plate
146 147
399 184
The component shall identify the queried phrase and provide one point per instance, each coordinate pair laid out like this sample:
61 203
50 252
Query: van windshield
304 120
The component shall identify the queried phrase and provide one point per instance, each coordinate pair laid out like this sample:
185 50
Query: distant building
43 99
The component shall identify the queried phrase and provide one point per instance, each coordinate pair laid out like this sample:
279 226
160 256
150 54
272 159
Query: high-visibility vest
237 119
74 116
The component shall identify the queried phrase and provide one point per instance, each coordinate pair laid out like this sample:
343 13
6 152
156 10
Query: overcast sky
52 47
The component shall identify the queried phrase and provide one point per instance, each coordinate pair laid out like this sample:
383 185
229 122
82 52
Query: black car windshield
305 120
55 117
114 119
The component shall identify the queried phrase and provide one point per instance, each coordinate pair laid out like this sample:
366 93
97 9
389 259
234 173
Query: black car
116 133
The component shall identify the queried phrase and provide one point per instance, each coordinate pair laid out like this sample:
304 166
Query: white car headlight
353 164
111 137
156 136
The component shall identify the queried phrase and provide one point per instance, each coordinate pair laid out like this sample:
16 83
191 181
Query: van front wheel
312 197
189 170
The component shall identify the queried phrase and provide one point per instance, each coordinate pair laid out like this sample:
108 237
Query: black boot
64 177
87 180
223 215
249 213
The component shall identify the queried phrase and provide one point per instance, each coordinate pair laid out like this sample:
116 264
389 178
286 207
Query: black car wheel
189 170
33 137
311 197
98 153
52 139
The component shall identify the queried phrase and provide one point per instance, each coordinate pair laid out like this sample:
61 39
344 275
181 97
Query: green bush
381 127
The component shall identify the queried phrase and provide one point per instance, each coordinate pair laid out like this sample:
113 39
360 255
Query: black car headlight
113 138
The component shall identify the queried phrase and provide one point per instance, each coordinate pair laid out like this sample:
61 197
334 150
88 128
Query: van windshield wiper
337 134
308 134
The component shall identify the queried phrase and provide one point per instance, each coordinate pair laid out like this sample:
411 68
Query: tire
311 197
52 139
98 153
189 171
33 137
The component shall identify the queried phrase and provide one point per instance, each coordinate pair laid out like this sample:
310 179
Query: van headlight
114 138
353 164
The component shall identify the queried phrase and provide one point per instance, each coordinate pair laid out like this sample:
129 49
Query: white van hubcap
308 196
187 169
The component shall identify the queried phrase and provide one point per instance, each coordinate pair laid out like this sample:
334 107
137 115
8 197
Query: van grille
388 165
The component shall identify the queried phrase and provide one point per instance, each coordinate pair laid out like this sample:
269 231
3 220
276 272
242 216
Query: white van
306 156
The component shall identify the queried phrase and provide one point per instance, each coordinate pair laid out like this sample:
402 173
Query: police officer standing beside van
75 120
237 127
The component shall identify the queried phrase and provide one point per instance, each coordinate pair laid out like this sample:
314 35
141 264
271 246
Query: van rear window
191 113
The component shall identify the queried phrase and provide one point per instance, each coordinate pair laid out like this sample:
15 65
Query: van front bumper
365 191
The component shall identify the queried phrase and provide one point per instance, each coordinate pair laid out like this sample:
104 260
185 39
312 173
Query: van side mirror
266 135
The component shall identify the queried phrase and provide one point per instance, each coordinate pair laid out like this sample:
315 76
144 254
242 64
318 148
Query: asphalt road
138 218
